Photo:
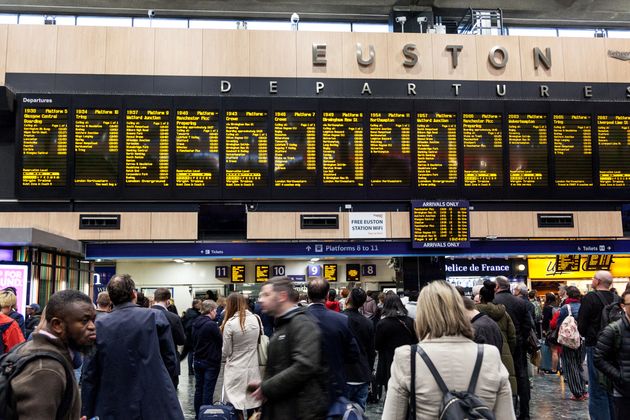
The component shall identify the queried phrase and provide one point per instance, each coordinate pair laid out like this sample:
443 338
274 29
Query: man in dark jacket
600 405
33 316
294 383
359 371
207 344
517 309
129 376
187 321
612 357
485 328
339 347
162 297
70 328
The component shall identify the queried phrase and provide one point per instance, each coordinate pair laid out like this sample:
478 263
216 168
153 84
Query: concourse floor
550 398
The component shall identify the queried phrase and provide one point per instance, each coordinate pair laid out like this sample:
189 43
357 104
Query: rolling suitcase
545 362
217 411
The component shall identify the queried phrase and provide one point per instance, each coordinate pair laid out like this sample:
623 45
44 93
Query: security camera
401 19
151 13
295 18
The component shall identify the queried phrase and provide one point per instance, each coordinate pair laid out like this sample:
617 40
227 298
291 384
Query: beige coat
240 351
454 358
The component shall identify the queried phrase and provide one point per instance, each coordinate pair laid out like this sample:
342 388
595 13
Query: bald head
602 280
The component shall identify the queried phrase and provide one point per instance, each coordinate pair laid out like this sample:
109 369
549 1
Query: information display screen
613 137
483 150
238 273
527 139
246 149
342 148
147 147
440 224
44 147
196 148
96 134
295 149
390 149
262 273
437 149
572 149
330 272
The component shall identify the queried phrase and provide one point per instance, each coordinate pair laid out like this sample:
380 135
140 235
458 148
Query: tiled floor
550 399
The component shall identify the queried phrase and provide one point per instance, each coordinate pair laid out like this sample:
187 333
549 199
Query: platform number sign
262 273
313 270
353 272
368 270
221 271
278 270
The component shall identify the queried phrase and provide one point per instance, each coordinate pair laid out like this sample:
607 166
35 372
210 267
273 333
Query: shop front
468 272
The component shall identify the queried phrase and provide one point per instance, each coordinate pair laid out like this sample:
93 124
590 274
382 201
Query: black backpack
456 405
611 312
12 363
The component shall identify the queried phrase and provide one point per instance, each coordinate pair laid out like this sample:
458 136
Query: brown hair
234 303
440 312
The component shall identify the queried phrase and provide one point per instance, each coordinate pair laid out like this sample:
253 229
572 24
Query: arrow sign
308 248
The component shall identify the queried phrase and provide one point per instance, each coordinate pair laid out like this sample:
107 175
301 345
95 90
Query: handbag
411 410
263 343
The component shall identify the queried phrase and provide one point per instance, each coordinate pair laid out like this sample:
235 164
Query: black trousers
522 381
622 407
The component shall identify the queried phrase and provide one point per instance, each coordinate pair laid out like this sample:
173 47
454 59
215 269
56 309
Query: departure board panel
437 149
527 139
146 147
483 150
439 224
572 149
613 137
196 148
96 147
246 149
390 149
44 147
295 149
342 148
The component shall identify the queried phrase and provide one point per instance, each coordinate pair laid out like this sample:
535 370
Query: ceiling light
179 261
314 259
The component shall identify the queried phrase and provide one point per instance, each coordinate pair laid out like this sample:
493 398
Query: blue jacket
207 342
339 346
564 312
129 376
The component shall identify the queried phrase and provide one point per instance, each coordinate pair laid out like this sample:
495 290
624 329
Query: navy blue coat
129 376
339 346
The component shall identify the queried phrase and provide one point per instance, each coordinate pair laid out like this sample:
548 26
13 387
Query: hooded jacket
503 320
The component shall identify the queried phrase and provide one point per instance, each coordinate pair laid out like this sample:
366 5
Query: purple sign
6 255
15 276
102 276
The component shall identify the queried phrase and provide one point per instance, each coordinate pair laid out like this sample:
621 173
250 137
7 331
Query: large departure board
613 137
390 149
246 149
146 147
96 134
572 149
342 148
527 139
483 150
196 148
44 147
440 224
295 149
437 149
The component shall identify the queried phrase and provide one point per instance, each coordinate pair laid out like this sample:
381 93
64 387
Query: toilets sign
367 225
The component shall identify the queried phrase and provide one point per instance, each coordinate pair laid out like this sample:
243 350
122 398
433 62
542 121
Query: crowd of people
294 356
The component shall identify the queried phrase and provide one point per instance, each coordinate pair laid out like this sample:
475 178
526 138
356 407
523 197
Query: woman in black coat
395 329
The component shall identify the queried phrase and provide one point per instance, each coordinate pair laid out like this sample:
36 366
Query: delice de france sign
367 225
14 275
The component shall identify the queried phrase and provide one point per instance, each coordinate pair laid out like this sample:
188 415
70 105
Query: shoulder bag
263 343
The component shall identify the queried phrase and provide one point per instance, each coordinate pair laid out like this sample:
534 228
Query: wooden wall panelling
424 50
339 233
553 232
618 71
584 60
379 69
334 54
593 224
81 49
31 48
510 224
400 226
272 54
4 35
478 224
67 224
225 53
178 52
467 60
528 72
132 226
130 51
174 225
271 225
486 71
25 220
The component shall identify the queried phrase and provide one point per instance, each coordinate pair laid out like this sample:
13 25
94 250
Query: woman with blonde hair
241 330
445 335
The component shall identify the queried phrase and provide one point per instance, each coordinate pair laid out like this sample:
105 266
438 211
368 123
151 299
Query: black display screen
483 150
147 147
390 149
613 137
295 149
437 149
439 224
96 136
196 148
527 139
572 149
342 148
246 149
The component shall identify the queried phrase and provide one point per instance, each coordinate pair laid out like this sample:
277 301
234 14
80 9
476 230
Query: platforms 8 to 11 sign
440 223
